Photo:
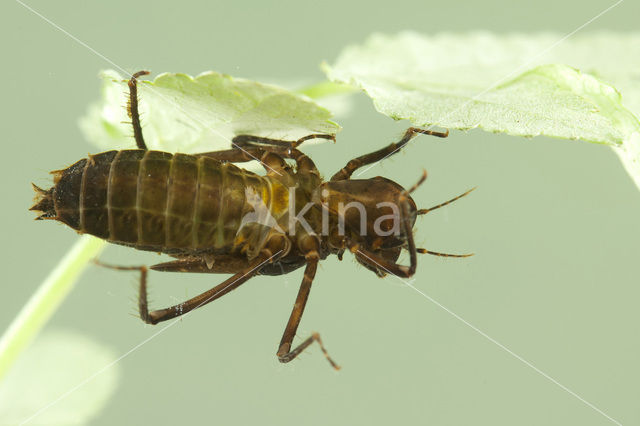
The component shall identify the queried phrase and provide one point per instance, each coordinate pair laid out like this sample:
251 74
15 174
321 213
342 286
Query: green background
554 225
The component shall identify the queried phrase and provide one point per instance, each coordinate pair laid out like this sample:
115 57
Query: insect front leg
381 154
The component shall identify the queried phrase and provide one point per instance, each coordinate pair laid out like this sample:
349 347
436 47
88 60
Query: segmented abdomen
156 200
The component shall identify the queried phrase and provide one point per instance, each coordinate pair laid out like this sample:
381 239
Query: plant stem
44 302
326 88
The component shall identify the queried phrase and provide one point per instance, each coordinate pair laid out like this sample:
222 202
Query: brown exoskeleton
214 217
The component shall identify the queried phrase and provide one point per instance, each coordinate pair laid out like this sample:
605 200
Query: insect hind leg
171 312
143 305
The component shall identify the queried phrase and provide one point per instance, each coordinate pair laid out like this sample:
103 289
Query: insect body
215 217
151 200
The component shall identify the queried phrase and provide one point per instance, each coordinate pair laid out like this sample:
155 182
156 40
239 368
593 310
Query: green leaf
181 113
464 82
525 85
40 389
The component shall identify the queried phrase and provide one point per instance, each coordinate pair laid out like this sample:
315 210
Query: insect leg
251 140
220 290
381 154
272 162
132 109
285 148
285 354
305 165
142 292
378 262
413 254
218 264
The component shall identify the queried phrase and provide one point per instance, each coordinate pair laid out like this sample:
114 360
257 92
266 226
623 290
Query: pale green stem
44 302
327 88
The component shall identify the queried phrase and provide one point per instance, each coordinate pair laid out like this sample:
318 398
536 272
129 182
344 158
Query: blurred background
554 225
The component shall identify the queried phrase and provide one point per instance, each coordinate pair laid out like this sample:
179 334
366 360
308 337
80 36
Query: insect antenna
420 182
435 253
425 211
